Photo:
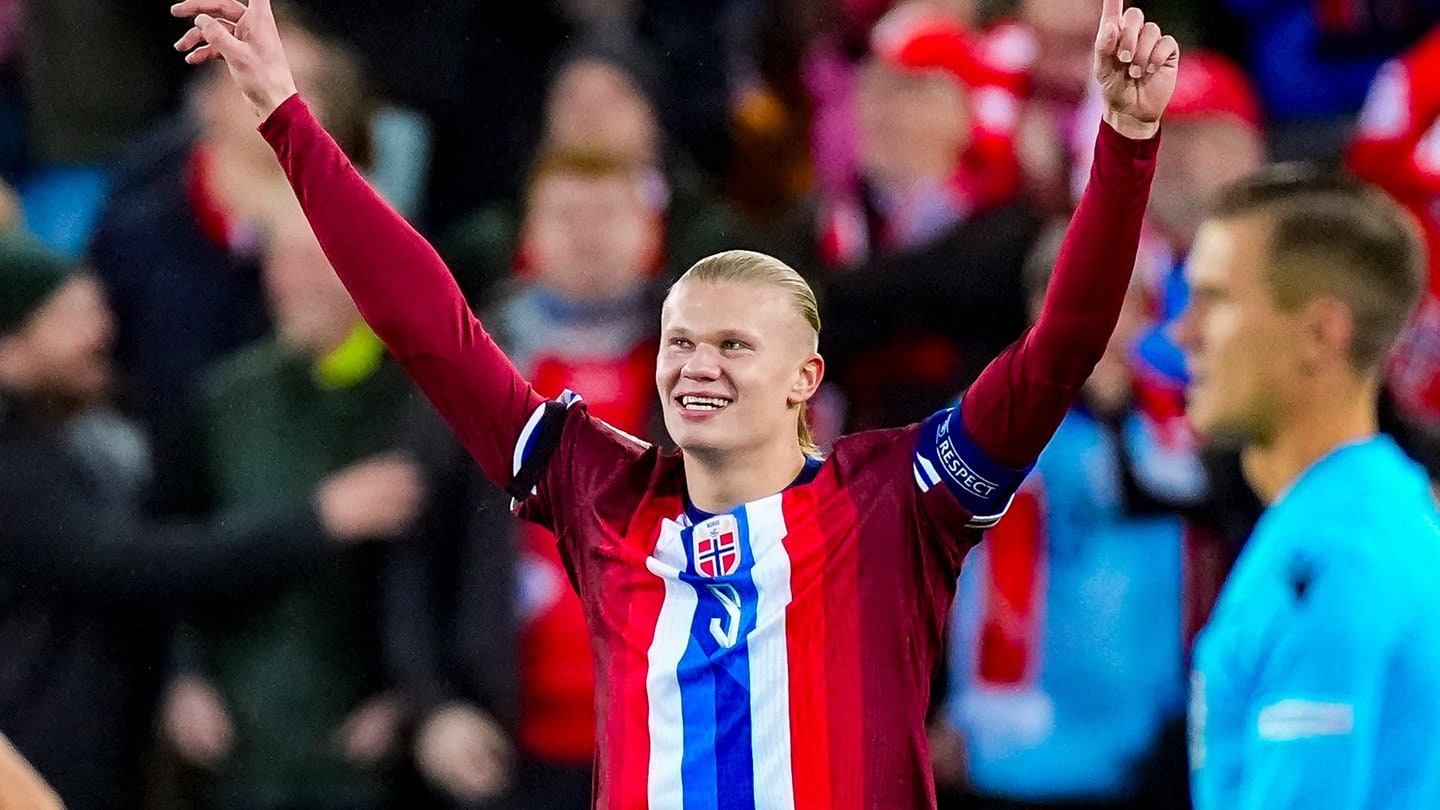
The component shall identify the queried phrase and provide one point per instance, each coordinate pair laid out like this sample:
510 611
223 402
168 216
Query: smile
694 403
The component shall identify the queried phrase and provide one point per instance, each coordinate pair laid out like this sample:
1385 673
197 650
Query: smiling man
1314 683
765 622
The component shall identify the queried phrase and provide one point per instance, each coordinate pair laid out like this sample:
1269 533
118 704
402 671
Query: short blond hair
750 267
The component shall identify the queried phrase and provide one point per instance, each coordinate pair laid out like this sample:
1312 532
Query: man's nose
704 363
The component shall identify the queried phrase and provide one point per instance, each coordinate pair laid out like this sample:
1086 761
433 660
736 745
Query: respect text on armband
957 469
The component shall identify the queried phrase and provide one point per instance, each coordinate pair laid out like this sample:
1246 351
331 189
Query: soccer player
1314 682
765 622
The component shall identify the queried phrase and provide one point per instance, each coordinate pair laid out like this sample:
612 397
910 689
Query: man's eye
680 343
732 345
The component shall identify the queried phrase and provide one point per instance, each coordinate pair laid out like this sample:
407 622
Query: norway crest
716 546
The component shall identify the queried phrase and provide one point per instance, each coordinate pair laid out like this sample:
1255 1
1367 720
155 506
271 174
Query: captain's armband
537 443
945 454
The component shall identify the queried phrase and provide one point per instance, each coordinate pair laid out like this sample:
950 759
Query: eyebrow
718 334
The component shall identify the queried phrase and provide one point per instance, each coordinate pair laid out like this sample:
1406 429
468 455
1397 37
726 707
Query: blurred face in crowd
1241 349
311 309
62 353
228 119
592 238
736 360
1065 40
914 125
593 105
1198 157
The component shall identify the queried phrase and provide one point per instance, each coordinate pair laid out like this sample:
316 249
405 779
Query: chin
695 441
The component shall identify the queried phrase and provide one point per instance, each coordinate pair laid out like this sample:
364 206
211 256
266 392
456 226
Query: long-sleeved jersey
1314 684
779 654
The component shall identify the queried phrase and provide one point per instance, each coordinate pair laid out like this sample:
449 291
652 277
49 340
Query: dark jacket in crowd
87 588
291 665
907 331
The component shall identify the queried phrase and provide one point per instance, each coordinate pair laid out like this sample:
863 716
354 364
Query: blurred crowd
243 565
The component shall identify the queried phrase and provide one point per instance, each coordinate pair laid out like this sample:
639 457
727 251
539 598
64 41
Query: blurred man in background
178 244
292 679
1314 680
925 248
583 319
87 583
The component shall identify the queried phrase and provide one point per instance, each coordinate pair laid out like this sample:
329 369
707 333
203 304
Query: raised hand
247 39
1135 64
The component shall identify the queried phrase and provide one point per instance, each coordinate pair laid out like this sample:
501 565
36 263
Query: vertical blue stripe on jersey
718 768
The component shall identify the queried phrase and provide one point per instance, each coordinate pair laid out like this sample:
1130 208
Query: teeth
703 403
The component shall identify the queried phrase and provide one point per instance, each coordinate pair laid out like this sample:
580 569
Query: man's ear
812 372
1328 333
12 359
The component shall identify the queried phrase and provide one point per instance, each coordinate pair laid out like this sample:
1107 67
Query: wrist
1132 127
267 104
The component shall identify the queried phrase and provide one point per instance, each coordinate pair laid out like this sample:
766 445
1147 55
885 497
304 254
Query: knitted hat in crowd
1209 85
914 38
30 273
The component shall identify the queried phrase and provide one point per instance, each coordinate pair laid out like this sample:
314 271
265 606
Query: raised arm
1019 400
399 282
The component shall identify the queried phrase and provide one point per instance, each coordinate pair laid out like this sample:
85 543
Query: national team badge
717 547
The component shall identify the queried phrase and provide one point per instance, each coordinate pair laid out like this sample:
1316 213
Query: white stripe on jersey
928 469
769 658
662 683
525 435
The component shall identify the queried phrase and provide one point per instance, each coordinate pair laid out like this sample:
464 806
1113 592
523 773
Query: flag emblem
717 547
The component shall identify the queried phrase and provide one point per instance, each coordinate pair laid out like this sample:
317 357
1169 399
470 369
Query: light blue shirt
1316 683
1110 669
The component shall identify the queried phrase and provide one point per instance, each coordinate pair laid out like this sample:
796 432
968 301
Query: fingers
1130 24
1107 39
1110 11
230 10
214 38
1144 47
1166 53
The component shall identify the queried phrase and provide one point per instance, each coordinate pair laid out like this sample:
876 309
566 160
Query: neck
718 482
1343 414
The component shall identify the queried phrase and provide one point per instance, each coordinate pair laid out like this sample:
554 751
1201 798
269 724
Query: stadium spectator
177 246
1397 147
928 244
602 97
1313 61
584 320
88 585
1313 681
292 679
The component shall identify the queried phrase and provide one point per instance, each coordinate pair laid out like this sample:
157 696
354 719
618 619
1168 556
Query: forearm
404 291
1020 399
62 538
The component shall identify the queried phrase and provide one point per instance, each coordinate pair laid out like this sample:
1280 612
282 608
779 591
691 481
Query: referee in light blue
1316 683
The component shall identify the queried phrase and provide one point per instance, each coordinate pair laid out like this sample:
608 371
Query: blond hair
750 267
